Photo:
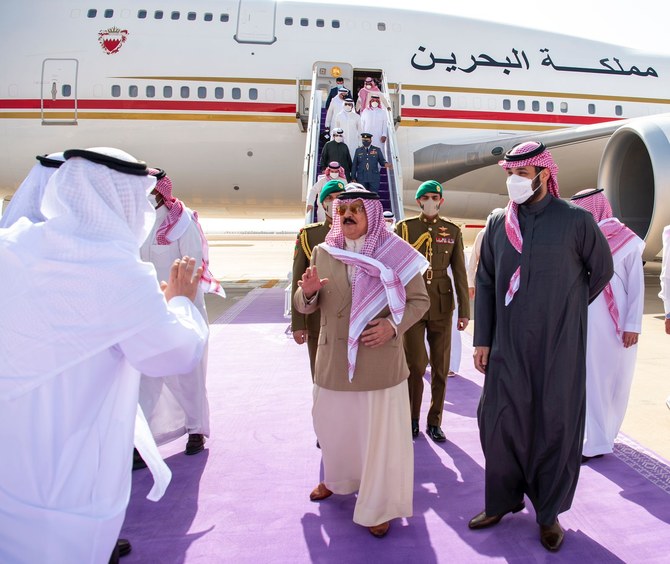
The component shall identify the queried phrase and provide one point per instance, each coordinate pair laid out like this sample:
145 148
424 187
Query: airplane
225 95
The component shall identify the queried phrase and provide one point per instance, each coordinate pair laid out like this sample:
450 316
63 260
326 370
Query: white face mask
520 189
334 175
430 207
347 108
328 207
374 104
368 86
390 225
339 139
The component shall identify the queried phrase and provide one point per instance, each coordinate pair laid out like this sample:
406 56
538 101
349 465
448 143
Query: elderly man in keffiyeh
615 321
177 405
542 262
368 285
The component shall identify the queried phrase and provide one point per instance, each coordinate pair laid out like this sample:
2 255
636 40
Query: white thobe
336 106
312 197
66 469
473 260
374 121
350 122
610 366
456 343
664 294
176 404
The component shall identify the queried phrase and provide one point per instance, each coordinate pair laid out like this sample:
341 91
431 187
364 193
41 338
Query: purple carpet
245 498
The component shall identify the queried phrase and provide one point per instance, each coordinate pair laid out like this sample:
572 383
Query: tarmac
246 261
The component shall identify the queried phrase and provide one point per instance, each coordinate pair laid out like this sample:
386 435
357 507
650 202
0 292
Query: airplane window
381 26
288 21
185 92
174 15
133 91
618 110
225 17
67 90
202 92
208 17
416 100
92 13
116 90
592 108
536 106
109 13
151 91
507 104
304 22
550 106
191 16
320 23
253 94
158 14
218 93
446 101
521 105
167 91
431 100
141 14
237 93
564 107
335 24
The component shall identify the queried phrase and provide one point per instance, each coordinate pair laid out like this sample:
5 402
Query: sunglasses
355 208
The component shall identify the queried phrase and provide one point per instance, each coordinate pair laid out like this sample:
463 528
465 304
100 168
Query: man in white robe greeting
75 338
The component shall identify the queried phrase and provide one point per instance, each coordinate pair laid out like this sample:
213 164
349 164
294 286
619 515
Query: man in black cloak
542 262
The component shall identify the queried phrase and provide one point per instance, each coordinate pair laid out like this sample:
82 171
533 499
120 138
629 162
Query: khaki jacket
376 369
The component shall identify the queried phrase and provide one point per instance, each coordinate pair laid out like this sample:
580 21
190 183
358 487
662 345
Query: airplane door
59 91
256 22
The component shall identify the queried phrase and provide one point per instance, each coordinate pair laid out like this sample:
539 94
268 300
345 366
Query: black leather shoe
415 428
435 433
551 536
481 520
124 547
585 459
195 444
138 461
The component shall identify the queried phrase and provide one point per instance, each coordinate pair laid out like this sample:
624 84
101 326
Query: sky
640 24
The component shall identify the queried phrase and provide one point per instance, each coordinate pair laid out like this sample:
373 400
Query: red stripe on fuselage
178 105
504 116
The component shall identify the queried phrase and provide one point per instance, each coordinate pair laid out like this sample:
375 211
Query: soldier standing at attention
442 243
306 327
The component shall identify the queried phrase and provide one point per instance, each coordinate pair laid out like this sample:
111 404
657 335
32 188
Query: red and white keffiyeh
616 233
176 223
544 160
383 268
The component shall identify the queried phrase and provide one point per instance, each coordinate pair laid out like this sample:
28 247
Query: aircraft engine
635 173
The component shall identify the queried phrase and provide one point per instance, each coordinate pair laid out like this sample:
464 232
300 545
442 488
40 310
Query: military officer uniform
366 164
309 237
442 243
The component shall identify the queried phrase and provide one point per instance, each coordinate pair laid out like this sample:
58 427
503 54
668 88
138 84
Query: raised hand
311 283
184 279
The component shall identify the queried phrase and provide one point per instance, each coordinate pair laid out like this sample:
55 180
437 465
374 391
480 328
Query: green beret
330 187
429 187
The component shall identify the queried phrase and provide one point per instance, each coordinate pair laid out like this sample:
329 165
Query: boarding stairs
390 189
